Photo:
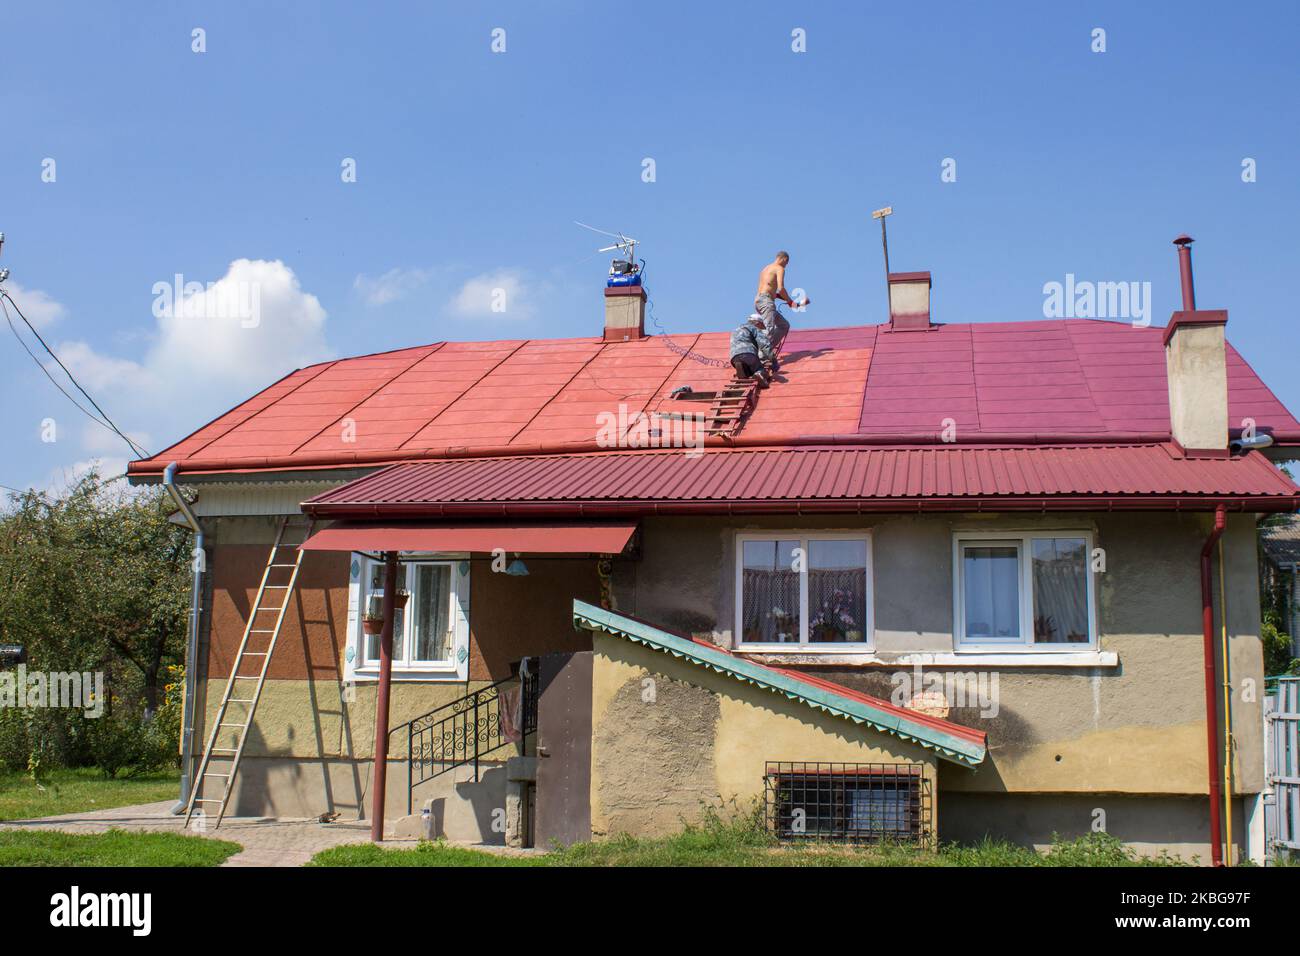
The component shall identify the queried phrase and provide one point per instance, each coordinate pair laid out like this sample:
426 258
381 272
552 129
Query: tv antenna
882 215
624 269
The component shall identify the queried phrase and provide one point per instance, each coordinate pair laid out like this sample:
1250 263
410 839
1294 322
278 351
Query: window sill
866 658
404 674
793 648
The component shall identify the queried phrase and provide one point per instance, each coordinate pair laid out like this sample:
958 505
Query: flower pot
399 599
372 625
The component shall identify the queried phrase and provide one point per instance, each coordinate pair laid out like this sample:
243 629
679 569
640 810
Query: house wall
670 738
1132 731
312 741
1135 727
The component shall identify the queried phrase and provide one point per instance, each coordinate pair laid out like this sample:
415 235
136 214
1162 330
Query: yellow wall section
298 718
753 726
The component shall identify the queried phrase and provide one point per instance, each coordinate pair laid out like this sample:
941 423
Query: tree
96 578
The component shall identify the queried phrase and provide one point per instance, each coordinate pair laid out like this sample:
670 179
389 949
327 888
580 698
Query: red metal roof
1050 381
815 479
476 539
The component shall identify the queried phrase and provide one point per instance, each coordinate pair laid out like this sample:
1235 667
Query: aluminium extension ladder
261 606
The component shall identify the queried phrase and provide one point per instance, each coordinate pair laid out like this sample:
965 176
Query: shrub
1277 649
129 742
15 742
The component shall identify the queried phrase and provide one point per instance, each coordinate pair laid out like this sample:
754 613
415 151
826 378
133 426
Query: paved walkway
266 841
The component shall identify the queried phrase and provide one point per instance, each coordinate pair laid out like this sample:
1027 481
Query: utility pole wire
103 420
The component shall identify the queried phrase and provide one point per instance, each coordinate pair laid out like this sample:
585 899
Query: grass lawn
114 848
739 844
73 791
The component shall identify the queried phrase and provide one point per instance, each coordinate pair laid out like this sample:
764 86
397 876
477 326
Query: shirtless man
771 287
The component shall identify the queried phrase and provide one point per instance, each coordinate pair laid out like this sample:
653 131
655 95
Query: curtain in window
991 598
837 591
1060 573
432 632
769 592
375 606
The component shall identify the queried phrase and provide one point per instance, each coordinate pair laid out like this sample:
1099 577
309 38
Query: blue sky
472 165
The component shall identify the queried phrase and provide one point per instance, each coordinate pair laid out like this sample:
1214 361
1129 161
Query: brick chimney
909 301
1197 368
624 313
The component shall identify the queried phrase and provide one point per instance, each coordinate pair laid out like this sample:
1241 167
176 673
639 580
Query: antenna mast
623 271
882 214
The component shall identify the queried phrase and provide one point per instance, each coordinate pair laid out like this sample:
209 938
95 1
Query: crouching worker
750 349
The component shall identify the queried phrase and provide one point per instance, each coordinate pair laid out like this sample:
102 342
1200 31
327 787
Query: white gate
1282 767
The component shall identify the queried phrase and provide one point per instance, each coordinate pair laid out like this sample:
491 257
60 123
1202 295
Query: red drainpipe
1211 682
379 779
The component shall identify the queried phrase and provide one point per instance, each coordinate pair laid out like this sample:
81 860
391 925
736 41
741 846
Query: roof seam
321 369
465 391
379 388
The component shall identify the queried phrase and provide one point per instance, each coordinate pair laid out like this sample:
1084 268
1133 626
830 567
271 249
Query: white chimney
624 313
1196 365
909 301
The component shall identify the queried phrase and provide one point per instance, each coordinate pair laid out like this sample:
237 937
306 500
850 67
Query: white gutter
191 639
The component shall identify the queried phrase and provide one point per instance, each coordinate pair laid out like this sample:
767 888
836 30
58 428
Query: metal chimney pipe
1184 244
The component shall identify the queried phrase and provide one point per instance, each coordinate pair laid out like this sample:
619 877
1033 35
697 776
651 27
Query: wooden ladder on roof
267 602
733 402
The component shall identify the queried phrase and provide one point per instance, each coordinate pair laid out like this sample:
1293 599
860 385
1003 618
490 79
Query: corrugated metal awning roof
827 479
474 539
950 740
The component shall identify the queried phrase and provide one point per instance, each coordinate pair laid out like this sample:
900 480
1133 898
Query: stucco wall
670 738
1148 824
1137 727
304 710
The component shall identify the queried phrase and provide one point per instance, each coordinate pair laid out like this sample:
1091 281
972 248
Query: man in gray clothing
771 288
751 349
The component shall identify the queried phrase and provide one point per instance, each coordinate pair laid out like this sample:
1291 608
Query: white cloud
98 440
61 479
39 307
94 371
214 345
500 294
392 285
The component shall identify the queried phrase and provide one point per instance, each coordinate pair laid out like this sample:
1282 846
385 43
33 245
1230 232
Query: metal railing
469 728
853 803
1282 759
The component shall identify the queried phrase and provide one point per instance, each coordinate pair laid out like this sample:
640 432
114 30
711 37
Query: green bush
1277 649
15 742
129 742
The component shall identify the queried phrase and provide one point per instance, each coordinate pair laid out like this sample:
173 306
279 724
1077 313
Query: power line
42 367
103 418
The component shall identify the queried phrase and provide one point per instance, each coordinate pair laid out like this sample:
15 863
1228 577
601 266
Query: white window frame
1024 644
804 646
357 668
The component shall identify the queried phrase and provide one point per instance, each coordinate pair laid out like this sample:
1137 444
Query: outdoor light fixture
13 654
517 568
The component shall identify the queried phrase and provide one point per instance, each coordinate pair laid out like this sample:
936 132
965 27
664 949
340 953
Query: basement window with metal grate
857 803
